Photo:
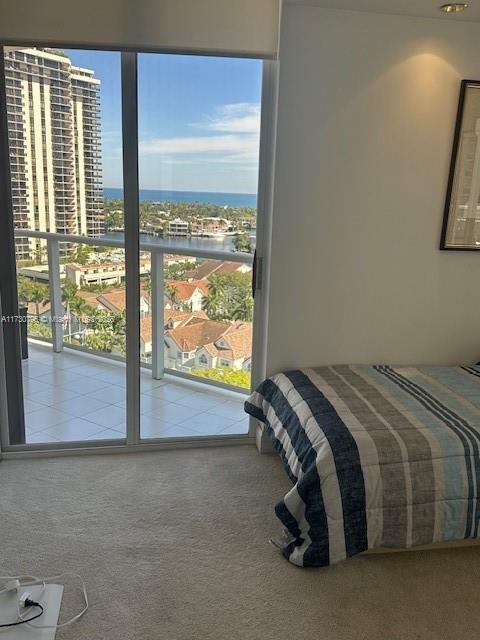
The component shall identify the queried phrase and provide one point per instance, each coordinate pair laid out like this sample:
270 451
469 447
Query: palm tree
83 254
213 302
147 284
172 293
40 254
24 287
38 295
244 310
210 304
69 294
118 323
80 309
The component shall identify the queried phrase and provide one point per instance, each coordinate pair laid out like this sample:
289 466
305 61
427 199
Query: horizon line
239 193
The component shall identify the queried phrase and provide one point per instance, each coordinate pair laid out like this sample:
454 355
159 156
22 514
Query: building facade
53 111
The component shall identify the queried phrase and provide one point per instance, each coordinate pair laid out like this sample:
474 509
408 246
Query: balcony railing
157 251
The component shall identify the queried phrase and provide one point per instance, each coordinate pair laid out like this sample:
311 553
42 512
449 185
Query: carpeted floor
173 546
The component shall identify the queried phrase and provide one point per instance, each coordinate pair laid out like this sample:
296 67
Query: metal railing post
157 296
56 308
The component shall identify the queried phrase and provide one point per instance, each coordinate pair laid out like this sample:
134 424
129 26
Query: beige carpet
173 546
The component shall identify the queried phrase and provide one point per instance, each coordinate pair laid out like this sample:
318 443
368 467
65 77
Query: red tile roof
209 267
207 334
114 300
185 290
111 299
239 339
88 297
197 334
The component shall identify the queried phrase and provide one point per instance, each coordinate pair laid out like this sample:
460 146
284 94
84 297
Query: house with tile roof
207 344
115 300
171 319
185 294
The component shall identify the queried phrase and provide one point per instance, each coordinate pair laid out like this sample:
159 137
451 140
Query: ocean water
203 197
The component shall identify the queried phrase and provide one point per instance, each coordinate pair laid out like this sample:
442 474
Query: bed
379 457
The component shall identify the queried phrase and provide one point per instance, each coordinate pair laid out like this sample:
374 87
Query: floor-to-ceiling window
191 220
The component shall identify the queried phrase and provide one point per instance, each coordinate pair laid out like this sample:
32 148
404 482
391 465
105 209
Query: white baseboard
263 442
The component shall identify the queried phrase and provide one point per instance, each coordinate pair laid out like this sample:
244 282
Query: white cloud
241 147
241 117
239 125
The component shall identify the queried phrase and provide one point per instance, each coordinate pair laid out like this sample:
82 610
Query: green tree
176 271
80 309
83 254
211 303
95 287
241 242
39 294
228 376
120 343
99 321
172 293
39 329
24 288
118 323
244 310
69 294
102 341
229 297
40 254
114 217
147 283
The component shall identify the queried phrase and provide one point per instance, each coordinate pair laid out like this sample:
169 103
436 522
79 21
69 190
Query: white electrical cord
34 581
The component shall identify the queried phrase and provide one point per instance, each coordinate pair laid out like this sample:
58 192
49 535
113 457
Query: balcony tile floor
73 396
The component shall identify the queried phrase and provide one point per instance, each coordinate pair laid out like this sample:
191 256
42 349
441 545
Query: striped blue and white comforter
379 456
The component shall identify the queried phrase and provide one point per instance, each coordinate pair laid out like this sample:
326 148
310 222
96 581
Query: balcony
75 387
74 396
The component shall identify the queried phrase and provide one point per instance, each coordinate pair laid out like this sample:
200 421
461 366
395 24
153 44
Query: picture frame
461 219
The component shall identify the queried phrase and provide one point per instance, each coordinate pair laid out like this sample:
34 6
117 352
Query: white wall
366 115
214 25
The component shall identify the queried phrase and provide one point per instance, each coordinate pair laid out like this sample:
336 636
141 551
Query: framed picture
461 221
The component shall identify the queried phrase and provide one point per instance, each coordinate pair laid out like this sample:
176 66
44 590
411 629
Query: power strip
50 599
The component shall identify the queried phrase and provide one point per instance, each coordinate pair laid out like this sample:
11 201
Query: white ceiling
423 8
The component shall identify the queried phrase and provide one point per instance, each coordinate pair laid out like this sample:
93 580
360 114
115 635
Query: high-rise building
53 113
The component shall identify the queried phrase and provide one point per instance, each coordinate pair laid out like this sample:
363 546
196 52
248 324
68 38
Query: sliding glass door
199 127
128 230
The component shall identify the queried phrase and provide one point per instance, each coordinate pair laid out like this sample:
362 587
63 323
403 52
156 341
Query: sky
199 120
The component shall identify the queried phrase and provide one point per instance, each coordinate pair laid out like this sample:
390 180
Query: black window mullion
8 281
132 242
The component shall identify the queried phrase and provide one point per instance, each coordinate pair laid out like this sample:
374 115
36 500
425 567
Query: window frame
133 442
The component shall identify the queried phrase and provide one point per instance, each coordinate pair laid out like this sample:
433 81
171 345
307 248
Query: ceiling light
456 7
